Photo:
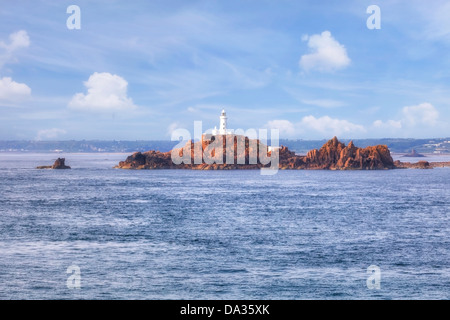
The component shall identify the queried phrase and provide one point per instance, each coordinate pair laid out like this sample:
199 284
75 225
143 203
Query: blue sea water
180 234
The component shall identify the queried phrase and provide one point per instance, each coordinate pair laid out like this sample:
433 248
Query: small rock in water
59 164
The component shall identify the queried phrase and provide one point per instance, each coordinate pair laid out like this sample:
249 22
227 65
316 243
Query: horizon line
169 140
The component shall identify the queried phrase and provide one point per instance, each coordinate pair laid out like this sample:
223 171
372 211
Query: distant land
436 146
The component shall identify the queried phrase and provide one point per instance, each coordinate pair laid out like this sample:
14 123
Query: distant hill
439 145
86 146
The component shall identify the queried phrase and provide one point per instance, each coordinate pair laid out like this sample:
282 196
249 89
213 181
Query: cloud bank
316 127
50 133
418 116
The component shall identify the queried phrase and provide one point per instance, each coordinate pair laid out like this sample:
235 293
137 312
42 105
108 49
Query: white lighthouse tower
223 125
223 122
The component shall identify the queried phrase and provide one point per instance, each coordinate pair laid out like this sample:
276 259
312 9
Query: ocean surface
179 234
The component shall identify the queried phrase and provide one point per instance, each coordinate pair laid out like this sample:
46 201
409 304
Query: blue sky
139 69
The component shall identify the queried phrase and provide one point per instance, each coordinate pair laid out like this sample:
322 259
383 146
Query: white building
270 148
223 125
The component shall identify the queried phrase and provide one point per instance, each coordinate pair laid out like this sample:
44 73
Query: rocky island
333 155
59 164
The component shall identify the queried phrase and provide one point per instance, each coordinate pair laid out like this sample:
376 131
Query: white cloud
390 124
17 40
413 119
424 113
172 127
325 103
106 92
11 91
50 133
330 126
326 54
310 126
285 127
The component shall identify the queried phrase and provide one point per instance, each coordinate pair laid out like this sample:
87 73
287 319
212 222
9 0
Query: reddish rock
333 155
419 165
59 164
147 160
440 164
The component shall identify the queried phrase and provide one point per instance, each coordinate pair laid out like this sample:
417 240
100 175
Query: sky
137 70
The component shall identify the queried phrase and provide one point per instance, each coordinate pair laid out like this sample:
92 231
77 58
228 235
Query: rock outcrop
420 165
239 156
414 154
333 155
59 164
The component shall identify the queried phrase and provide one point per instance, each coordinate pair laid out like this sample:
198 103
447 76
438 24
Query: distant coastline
396 146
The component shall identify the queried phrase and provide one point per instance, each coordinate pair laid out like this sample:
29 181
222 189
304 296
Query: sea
94 232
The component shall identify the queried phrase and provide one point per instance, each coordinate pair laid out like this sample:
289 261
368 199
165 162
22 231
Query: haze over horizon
137 70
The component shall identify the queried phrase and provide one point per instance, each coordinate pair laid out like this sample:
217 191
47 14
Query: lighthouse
223 125
223 122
